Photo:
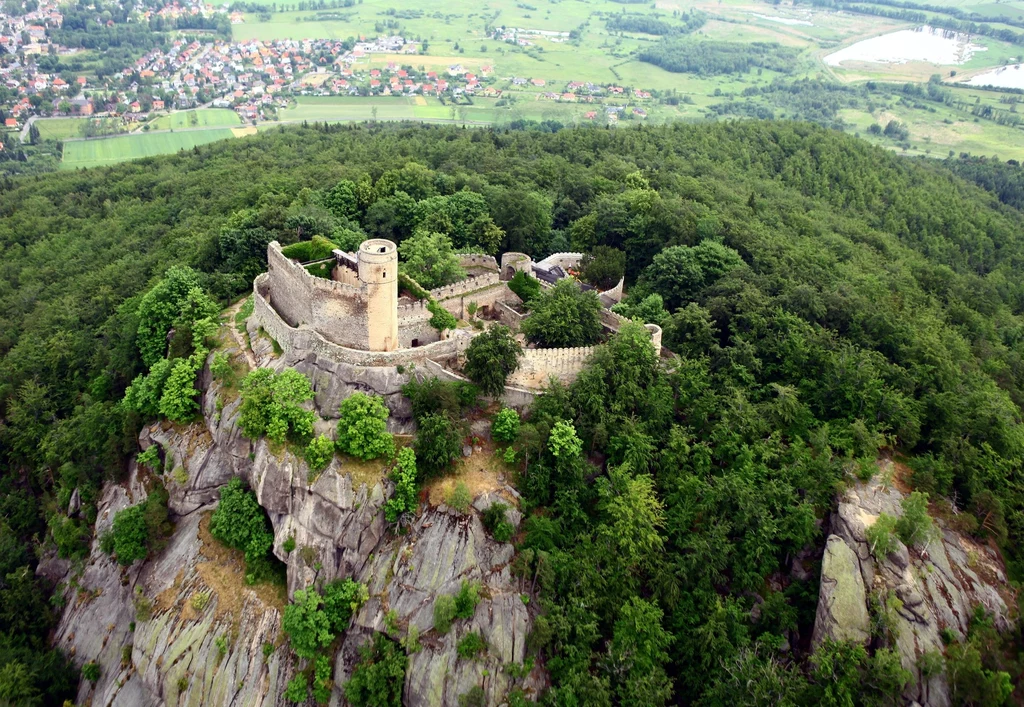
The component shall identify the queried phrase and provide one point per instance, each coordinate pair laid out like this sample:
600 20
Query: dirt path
237 336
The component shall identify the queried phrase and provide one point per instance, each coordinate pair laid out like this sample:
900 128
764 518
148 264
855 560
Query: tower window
384 273
383 249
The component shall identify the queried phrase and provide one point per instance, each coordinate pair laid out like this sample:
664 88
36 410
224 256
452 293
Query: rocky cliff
936 584
183 627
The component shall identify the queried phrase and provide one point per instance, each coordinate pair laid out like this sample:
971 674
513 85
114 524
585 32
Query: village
254 78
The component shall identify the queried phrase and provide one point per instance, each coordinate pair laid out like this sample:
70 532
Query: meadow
205 118
111 150
457 32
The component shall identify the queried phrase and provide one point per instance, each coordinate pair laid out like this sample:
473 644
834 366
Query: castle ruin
359 316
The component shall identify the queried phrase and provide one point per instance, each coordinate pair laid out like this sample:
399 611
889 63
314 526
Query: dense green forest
826 300
712 58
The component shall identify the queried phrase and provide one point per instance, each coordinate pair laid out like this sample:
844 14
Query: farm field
59 128
111 150
205 118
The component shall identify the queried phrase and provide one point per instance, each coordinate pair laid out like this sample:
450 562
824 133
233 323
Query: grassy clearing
111 150
59 128
206 118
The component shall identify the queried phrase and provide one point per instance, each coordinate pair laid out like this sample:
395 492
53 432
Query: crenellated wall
486 290
562 260
307 340
335 309
478 260
615 293
538 366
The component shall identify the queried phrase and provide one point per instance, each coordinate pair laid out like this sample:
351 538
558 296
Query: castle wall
538 366
615 294
512 262
307 340
512 397
562 260
478 260
335 309
509 317
486 290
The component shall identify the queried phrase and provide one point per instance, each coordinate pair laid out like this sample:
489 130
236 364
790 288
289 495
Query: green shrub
220 368
467 599
272 406
494 519
403 500
363 427
342 598
441 318
435 396
505 425
471 645
139 529
200 600
318 248
150 458
459 497
503 532
525 287
322 682
91 672
491 358
379 677
444 613
319 453
240 523
306 623
289 544
438 444
474 697
880 536
915 525
297 689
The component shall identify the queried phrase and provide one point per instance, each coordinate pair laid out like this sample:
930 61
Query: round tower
378 277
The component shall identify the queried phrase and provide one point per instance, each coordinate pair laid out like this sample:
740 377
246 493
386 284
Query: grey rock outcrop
185 628
937 584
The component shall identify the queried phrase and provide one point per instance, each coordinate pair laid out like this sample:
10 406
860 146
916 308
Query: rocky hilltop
936 584
183 627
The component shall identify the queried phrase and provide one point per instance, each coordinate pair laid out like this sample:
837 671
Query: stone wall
538 366
509 317
512 262
478 260
562 260
486 290
307 340
335 309
615 294
513 397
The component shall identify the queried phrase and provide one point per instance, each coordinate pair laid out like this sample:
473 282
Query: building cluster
255 78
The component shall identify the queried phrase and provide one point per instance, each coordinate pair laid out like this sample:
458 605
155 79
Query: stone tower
378 276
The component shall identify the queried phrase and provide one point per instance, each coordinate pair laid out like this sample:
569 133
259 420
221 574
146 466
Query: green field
110 150
59 128
205 118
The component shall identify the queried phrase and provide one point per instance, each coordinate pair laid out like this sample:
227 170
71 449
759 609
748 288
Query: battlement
538 366
562 260
470 284
478 260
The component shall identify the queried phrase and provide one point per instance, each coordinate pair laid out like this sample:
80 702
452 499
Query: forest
714 58
827 302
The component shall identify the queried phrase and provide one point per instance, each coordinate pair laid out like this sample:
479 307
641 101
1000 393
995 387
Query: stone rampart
513 397
615 293
470 284
478 260
486 290
538 366
303 339
562 260
509 317
335 309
